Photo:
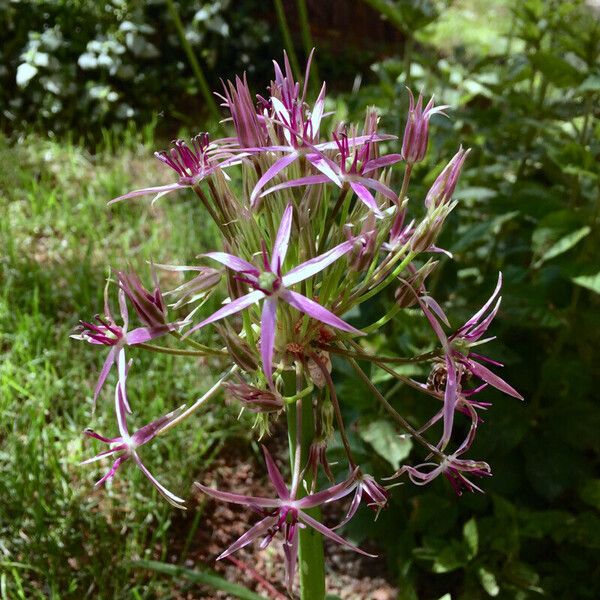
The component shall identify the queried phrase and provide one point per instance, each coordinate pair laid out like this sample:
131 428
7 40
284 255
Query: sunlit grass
58 537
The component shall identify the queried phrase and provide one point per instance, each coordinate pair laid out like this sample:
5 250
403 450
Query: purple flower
443 187
272 286
149 306
192 163
253 398
416 132
375 495
125 445
352 167
452 467
458 355
249 126
284 514
108 333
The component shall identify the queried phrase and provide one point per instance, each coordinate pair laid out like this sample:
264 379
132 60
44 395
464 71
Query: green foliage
59 538
79 65
528 206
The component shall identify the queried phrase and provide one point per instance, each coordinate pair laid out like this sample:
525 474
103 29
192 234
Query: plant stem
307 40
287 36
311 559
196 68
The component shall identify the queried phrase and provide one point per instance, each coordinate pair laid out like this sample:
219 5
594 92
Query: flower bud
443 187
317 457
363 251
407 293
253 398
239 349
149 306
416 132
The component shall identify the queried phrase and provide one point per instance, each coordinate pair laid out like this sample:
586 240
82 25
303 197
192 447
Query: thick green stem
311 558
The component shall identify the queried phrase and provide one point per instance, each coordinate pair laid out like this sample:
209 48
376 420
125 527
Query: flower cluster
318 230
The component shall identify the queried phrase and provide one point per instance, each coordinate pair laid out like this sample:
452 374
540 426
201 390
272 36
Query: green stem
311 558
196 68
287 36
307 40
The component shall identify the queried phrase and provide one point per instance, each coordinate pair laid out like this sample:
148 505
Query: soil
350 576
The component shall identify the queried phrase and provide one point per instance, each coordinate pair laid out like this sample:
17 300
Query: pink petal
239 498
253 533
450 400
233 262
121 412
161 189
280 247
233 307
170 497
381 162
275 168
475 318
493 379
331 494
275 476
365 196
384 190
310 180
326 166
315 265
328 533
267 336
316 311
145 334
106 367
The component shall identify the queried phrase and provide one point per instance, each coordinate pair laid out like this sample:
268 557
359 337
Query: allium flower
284 514
458 355
443 187
352 167
192 163
375 495
416 132
272 286
249 126
149 306
451 467
125 445
108 333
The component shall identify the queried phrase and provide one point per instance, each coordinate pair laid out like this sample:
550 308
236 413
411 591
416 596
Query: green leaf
591 282
555 69
564 244
204 577
488 581
471 537
384 438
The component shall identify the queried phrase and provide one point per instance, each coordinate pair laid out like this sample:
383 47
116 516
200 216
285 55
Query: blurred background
89 89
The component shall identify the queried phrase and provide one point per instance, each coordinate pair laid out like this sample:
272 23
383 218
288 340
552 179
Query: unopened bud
149 306
363 250
317 457
406 295
443 187
239 349
253 398
416 132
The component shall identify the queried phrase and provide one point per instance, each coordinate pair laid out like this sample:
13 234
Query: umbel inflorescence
317 230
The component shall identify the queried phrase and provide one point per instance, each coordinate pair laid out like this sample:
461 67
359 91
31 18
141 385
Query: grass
58 537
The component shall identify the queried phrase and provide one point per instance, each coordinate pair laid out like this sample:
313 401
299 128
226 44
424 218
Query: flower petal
310 180
170 497
145 334
316 311
267 336
161 190
365 196
254 532
381 162
493 379
106 367
275 476
239 498
315 265
275 168
328 533
331 494
233 262
233 307
280 247
450 399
